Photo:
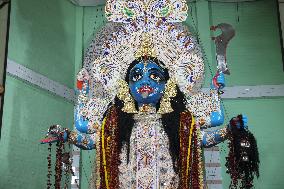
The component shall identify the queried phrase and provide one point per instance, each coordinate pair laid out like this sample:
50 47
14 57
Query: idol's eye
136 76
156 74
155 77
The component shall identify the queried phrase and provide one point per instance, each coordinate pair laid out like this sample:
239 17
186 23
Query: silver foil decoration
221 42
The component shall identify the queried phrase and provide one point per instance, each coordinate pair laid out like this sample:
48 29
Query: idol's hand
218 81
54 134
217 117
81 122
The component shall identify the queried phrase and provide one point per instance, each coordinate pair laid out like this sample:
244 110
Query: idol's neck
147 112
147 109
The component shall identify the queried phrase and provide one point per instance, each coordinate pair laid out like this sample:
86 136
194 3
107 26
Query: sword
221 42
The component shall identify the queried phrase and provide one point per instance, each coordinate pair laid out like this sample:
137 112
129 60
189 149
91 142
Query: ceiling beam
88 2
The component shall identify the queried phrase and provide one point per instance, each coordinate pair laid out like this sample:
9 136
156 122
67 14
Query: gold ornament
146 49
147 108
123 94
170 91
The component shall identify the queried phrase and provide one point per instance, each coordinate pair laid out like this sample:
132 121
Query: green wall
42 38
254 58
255 51
93 20
50 36
266 123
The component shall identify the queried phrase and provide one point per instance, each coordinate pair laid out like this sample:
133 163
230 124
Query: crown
146 49
139 11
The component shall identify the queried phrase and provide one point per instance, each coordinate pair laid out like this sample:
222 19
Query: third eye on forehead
151 68
141 67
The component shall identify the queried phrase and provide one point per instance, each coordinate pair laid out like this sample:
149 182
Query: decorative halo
113 50
115 46
146 11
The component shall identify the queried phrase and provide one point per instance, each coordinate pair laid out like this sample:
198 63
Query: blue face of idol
147 83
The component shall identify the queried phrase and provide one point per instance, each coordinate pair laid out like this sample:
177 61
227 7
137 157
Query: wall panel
254 57
42 38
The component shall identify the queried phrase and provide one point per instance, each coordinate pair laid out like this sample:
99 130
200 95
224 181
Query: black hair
170 121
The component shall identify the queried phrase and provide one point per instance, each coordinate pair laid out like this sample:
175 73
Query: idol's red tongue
145 89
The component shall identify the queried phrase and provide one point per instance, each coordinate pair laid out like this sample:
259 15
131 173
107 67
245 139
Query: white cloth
150 163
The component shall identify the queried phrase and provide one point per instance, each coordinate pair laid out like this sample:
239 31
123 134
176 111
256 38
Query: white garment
150 163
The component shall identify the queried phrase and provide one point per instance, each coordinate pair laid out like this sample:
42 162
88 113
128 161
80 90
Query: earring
170 91
123 94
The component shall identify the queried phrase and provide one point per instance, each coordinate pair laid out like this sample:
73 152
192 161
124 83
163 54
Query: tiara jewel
147 48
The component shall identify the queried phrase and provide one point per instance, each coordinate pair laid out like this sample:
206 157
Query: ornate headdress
119 44
146 49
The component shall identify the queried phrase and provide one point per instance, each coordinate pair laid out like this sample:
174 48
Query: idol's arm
83 141
56 133
83 88
207 108
217 115
88 118
89 109
212 138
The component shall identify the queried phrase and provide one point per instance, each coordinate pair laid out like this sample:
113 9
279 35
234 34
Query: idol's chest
150 163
